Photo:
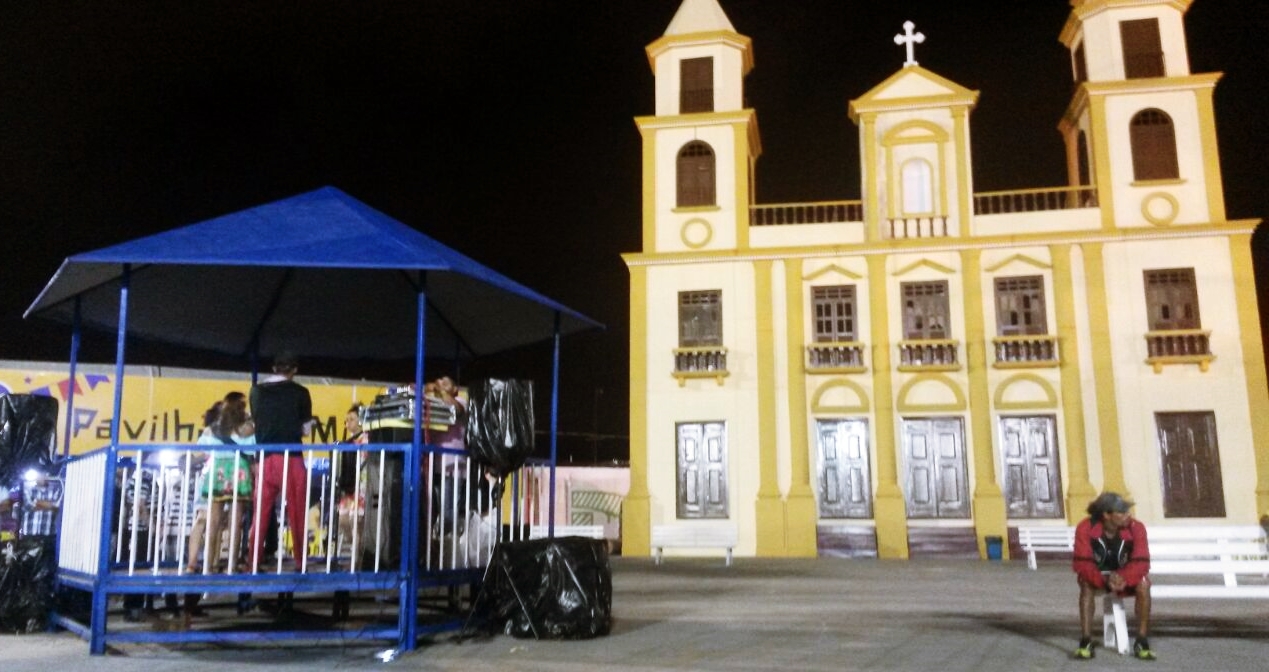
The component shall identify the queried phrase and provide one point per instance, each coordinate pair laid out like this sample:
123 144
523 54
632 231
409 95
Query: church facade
930 367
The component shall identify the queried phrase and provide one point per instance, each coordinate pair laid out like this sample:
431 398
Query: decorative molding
696 233
1050 394
1153 198
926 263
1021 258
833 268
902 405
819 407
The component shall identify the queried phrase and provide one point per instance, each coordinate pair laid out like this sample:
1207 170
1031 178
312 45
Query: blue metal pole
410 539
555 421
97 640
70 395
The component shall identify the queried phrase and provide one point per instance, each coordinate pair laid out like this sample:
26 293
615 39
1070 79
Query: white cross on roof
911 39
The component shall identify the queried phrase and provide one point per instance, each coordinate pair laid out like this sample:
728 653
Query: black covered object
26 584
500 423
553 588
28 434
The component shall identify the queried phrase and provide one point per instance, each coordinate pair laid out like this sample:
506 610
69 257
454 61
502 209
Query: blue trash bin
995 548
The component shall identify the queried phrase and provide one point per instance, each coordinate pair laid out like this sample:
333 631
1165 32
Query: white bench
1208 561
1046 539
703 535
588 531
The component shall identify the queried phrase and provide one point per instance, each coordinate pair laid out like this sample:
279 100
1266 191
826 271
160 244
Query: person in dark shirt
1112 554
282 409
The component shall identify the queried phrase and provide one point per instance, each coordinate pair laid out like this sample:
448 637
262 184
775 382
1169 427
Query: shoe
1083 652
1141 651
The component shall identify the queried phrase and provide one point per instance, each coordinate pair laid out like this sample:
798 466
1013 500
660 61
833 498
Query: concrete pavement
760 614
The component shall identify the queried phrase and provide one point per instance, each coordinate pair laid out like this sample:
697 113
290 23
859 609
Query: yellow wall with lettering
161 405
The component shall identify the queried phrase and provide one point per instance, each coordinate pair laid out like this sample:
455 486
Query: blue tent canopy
320 274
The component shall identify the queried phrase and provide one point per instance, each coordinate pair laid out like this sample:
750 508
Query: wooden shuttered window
1172 299
696 85
1143 50
1153 141
696 175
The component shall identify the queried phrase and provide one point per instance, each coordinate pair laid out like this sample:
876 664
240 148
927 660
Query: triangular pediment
914 85
924 264
833 269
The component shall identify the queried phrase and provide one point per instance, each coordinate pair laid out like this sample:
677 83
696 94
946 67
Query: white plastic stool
1114 624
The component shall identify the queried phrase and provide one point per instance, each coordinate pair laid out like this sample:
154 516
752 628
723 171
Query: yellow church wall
1050 221
1185 387
728 90
1083 351
1181 201
806 235
734 402
775 314
1091 260
695 228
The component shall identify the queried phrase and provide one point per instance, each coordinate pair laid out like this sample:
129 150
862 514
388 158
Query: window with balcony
1176 335
1172 299
925 312
835 346
1143 50
700 353
1022 330
696 175
926 327
1153 146
696 85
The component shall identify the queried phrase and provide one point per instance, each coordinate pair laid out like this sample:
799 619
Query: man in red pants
282 410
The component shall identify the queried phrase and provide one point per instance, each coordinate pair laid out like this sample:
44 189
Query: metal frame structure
84 554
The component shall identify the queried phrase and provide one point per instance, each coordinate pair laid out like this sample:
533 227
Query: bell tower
1140 127
700 147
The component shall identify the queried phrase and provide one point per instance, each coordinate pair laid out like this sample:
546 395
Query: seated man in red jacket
1112 554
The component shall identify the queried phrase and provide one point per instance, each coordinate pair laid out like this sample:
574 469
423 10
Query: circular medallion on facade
1160 208
696 233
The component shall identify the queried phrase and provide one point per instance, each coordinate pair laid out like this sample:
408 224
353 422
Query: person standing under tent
282 409
224 485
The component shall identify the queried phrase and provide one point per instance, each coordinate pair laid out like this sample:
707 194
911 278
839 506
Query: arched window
696 175
1153 146
918 187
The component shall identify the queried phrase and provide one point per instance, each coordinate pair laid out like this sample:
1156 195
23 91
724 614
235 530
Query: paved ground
766 615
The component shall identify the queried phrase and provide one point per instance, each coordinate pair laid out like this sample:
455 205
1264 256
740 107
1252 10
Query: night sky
503 128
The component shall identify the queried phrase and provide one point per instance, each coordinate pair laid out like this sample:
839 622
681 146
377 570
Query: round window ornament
696 233
1160 208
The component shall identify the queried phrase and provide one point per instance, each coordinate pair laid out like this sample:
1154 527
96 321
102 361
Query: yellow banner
161 406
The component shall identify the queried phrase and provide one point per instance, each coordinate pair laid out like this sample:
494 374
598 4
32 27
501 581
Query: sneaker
1141 651
1084 652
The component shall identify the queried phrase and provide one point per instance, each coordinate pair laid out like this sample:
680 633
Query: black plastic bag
27 569
28 434
553 588
500 424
